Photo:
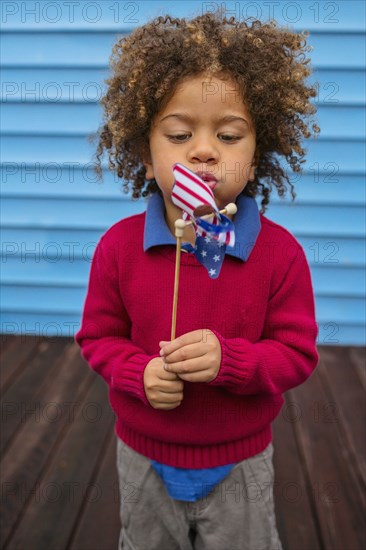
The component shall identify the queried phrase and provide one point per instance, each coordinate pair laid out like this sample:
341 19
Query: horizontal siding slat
52 324
57 49
69 300
53 181
36 324
328 186
339 309
346 86
47 246
324 221
53 85
336 121
323 184
346 253
50 234
348 155
33 118
325 44
56 85
49 269
42 299
52 246
46 213
110 15
337 281
106 16
335 334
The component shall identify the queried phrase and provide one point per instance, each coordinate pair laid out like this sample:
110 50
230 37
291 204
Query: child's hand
163 389
194 356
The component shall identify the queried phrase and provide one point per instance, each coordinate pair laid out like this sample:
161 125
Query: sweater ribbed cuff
130 378
238 363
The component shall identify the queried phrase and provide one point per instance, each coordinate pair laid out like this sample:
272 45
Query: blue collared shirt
246 222
184 483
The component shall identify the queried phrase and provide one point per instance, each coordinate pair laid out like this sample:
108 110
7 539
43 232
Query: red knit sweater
262 311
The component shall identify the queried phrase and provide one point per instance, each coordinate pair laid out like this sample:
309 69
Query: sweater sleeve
104 335
286 353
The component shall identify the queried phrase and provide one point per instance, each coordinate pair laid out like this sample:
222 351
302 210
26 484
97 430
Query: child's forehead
208 80
202 89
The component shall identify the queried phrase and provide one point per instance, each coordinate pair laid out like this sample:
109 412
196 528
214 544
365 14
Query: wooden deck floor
59 482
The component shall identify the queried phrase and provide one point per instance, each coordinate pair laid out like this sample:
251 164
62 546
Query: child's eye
229 137
179 137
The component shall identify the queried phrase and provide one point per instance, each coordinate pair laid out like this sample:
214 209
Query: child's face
205 126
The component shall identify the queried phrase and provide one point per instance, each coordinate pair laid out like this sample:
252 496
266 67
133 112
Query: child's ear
253 166
146 161
149 170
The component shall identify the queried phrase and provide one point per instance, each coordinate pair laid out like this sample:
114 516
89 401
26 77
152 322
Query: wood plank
358 360
319 457
70 477
297 527
5 341
15 357
99 524
37 439
346 399
24 395
336 494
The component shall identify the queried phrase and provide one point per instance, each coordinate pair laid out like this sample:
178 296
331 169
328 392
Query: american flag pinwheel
214 231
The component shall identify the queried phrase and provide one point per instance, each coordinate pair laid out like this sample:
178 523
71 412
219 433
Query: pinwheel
214 231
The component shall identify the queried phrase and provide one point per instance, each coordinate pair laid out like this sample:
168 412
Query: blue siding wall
54 62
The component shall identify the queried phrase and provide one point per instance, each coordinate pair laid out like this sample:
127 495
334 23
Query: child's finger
186 367
185 353
164 374
164 343
185 339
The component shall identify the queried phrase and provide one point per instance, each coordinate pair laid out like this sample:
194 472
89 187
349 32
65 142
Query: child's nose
203 151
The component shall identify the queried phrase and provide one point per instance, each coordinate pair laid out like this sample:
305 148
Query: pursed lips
208 178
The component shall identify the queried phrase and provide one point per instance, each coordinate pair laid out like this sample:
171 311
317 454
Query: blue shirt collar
246 222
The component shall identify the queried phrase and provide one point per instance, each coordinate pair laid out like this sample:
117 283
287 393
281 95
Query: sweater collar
246 222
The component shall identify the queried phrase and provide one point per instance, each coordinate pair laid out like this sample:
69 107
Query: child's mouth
208 178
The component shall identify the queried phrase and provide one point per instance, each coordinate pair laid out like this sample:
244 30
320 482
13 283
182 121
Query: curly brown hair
269 64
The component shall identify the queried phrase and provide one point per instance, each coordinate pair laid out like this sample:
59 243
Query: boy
193 416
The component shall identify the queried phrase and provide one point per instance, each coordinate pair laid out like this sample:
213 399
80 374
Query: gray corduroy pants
238 514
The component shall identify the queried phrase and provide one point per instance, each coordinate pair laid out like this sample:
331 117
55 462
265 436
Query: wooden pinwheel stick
179 230
180 224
